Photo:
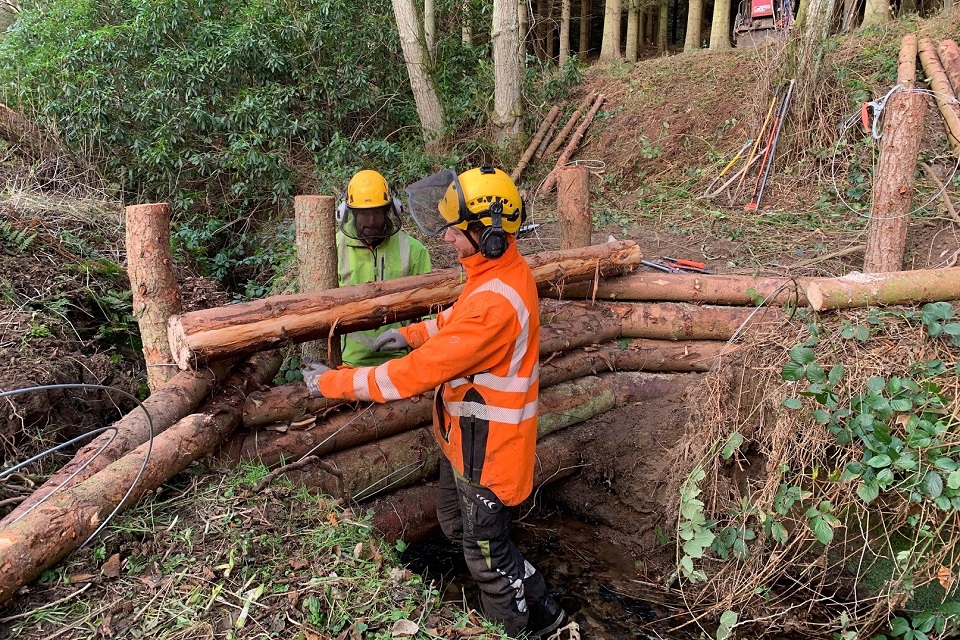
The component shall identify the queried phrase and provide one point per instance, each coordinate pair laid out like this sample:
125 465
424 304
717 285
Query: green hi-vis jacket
397 256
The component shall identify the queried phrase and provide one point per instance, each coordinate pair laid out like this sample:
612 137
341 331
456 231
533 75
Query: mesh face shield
350 228
436 202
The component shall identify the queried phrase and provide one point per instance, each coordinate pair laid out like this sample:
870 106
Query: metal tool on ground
771 149
732 162
660 267
686 265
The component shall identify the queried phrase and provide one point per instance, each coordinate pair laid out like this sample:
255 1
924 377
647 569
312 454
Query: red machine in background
760 20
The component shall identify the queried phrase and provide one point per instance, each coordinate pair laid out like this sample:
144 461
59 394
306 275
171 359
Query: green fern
19 240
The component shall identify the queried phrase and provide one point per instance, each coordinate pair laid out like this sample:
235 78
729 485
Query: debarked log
410 514
411 457
292 401
165 406
248 327
683 287
873 289
56 527
321 436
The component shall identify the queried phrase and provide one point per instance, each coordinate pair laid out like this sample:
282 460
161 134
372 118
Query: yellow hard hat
480 188
367 189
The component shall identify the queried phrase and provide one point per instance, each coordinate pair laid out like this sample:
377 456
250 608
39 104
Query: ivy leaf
899 626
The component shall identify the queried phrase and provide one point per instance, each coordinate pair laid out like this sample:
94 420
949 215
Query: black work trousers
473 516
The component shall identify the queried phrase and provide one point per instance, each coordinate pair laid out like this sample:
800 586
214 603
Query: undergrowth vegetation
212 556
854 515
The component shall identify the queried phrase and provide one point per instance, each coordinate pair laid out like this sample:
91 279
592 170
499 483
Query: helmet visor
436 202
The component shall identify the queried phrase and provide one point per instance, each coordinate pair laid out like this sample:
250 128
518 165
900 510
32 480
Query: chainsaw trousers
474 517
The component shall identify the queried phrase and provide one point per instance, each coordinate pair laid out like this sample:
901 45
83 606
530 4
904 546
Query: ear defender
341 212
493 240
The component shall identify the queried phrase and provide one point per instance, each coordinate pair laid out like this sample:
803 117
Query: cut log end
179 346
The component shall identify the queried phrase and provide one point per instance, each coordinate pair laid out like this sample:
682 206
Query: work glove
390 340
312 370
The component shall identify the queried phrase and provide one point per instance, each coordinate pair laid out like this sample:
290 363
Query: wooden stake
156 295
573 207
316 232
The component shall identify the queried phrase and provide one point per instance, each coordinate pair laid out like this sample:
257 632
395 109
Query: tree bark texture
165 406
542 147
410 514
893 183
153 281
949 55
907 61
535 143
662 26
215 334
58 526
417 59
694 25
878 289
876 12
720 26
610 45
564 53
571 147
507 105
682 287
946 101
573 207
430 27
316 232
633 24
584 44
571 123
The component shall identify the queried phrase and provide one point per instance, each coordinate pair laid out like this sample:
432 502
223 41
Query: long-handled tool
756 144
733 161
771 149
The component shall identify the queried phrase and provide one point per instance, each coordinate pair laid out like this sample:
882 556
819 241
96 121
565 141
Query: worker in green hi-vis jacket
371 247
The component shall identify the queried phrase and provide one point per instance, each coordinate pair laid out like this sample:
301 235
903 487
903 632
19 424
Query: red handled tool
686 265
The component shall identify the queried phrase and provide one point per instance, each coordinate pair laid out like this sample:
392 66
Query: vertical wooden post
156 295
316 231
893 182
573 207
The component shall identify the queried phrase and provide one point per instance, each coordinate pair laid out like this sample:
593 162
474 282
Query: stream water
595 581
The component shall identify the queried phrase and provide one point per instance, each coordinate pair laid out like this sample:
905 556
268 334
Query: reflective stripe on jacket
484 352
397 256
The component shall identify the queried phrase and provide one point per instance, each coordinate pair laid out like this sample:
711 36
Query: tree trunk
541 149
571 123
720 26
58 526
568 152
507 105
535 143
417 59
248 327
316 231
876 12
876 289
466 27
893 183
946 101
523 26
610 46
907 61
165 406
430 28
573 207
156 294
564 52
410 514
950 58
663 24
548 29
694 22
584 45
683 321
633 22
681 287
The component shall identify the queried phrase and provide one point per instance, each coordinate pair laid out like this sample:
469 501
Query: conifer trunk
610 47
417 59
505 37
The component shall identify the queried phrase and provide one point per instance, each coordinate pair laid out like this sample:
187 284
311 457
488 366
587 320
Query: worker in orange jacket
482 357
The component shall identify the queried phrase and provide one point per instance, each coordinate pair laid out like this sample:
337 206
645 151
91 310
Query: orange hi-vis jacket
483 354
